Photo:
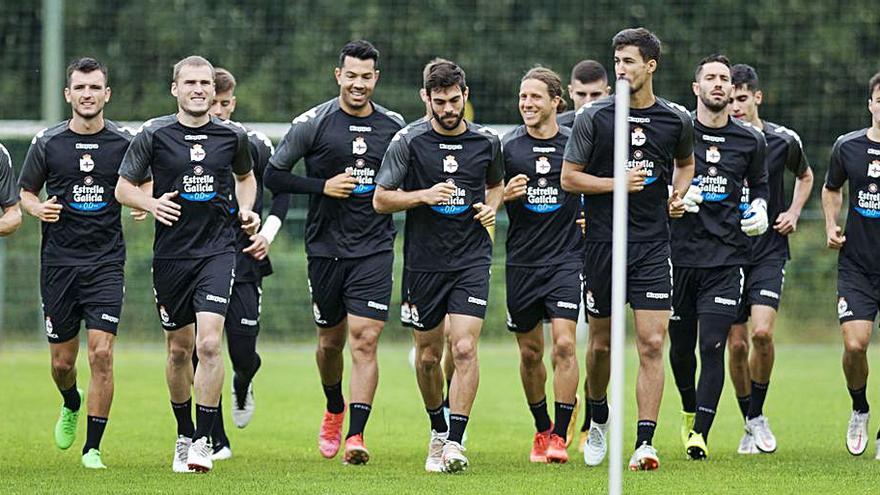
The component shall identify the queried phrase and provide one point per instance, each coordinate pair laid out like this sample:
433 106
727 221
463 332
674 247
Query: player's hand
485 215
250 221
48 211
440 192
693 197
676 205
516 187
836 239
786 222
165 210
635 178
340 186
139 215
754 221
582 223
259 247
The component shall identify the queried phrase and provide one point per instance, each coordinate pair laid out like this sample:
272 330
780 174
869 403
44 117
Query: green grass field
808 407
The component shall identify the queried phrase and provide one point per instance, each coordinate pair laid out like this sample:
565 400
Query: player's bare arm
394 200
786 222
48 211
832 201
163 208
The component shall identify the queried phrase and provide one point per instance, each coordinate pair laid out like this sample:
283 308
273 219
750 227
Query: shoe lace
435 448
595 437
856 424
69 423
181 449
541 441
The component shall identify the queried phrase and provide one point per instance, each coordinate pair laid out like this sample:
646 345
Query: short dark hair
715 57
445 75
873 84
361 50
86 65
587 71
745 75
647 42
223 80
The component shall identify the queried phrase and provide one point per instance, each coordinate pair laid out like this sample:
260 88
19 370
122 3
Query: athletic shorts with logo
858 295
701 291
71 294
245 304
763 286
405 312
188 286
538 293
350 286
648 277
433 295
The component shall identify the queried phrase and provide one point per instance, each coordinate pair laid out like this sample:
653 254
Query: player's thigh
326 280
720 290
597 279
429 299
367 286
857 298
649 276
174 285
245 306
561 291
469 296
214 280
62 313
102 290
525 299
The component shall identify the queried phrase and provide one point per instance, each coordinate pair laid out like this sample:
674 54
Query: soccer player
10 219
544 259
589 82
710 246
251 265
765 269
82 253
661 141
194 158
447 174
349 245
855 157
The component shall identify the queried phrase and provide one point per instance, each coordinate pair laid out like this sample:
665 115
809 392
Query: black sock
457 424
562 413
438 420
713 338
859 399
218 433
645 432
586 425
205 418
446 402
71 398
703 421
94 431
688 399
183 415
743 403
245 362
335 402
539 413
359 413
599 410
682 341
759 393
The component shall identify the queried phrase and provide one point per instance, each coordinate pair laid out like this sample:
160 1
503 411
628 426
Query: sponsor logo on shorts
477 301
49 331
591 302
566 305
725 301
657 295
375 305
249 322
843 308
166 319
317 313
111 319
216 299
769 293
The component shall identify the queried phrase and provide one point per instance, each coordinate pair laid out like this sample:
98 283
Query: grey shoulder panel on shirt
517 133
118 129
679 110
48 133
151 126
749 129
396 117
491 134
260 140
849 136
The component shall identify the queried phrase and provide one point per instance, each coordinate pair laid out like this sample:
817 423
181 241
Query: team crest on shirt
874 169
638 136
358 146
86 164
449 164
196 153
542 165
713 155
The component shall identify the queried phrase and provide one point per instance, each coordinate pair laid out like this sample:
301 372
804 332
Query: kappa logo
713 155
874 169
86 164
197 153
566 305
542 165
358 146
843 308
638 136
449 164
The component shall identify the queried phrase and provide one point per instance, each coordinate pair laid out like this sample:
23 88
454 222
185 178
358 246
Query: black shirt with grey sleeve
543 229
198 163
8 185
81 171
659 135
725 158
332 142
855 158
446 237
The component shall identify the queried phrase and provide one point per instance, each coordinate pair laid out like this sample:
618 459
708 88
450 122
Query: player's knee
563 349
651 346
429 358
208 348
762 336
101 358
600 347
738 347
530 354
853 345
328 344
464 349
179 356
62 364
711 350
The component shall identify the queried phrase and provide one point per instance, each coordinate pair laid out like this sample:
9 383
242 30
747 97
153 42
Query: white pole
618 283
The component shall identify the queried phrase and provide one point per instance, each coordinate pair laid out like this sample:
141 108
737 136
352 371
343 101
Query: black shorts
405 313
243 314
433 295
72 294
648 277
763 287
189 286
536 293
858 295
701 291
350 286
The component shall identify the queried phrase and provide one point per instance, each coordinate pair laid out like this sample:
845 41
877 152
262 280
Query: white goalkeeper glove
693 197
754 221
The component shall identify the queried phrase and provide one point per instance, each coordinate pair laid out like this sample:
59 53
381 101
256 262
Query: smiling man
194 158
